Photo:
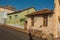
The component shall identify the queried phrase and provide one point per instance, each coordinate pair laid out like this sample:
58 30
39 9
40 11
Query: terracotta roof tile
44 11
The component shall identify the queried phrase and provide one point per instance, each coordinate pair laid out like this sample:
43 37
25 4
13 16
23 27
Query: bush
23 19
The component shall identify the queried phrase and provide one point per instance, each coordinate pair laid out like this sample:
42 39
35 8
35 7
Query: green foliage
23 19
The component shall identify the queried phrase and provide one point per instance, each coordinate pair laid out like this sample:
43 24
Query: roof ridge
8 7
21 10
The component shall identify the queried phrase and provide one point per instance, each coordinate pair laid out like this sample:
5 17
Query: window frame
32 21
59 2
16 16
59 20
10 17
45 21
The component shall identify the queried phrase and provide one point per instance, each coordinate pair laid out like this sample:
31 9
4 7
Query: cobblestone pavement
11 34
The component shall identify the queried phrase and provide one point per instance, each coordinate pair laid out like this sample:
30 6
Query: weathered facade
52 21
42 21
18 18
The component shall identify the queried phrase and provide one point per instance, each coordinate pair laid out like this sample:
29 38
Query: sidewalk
37 33
15 28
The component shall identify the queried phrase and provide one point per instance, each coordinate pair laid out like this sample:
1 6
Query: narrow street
10 34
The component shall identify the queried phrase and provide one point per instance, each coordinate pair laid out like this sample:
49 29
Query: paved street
10 34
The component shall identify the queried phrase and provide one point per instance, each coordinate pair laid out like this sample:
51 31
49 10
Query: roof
41 12
8 7
20 11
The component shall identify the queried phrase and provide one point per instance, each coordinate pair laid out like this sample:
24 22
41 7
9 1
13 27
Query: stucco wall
38 21
50 24
28 23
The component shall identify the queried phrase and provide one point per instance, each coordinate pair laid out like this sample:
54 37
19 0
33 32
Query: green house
18 18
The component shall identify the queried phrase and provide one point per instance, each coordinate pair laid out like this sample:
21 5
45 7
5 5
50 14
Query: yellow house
18 18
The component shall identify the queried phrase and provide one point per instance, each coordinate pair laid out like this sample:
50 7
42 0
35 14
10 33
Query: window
59 2
10 17
59 20
15 16
45 21
32 21
51 34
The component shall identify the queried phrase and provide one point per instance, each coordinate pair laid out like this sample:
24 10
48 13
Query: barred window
59 2
45 20
32 21
59 20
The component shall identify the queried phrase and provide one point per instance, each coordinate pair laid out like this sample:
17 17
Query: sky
23 4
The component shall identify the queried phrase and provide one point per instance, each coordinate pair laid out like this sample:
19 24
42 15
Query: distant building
4 10
8 9
18 18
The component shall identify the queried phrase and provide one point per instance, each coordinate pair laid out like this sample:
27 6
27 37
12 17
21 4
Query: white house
4 10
